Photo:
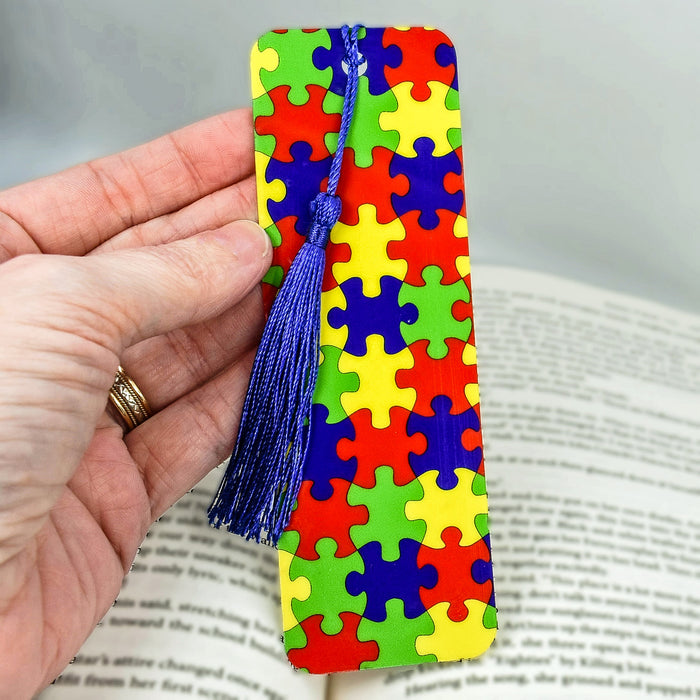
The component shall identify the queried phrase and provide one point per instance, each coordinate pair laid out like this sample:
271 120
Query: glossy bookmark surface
386 560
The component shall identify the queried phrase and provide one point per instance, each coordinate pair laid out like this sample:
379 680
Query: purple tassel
262 480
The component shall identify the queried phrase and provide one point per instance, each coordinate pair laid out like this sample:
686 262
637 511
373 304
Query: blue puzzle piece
445 55
445 451
365 316
371 47
322 462
384 580
424 172
332 57
482 571
379 57
302 178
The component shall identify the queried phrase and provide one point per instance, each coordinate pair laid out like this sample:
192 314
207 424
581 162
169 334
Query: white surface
581 133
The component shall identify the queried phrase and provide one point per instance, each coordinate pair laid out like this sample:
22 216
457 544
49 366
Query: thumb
116 299
152 290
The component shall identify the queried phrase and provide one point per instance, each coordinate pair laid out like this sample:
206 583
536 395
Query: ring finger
170 366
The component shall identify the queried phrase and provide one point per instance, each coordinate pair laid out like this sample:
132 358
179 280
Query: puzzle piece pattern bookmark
386 560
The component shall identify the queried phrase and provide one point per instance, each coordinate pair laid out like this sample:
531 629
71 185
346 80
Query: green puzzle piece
274 276
275 236
329 596
366 133
434 302
454 135
489 618
289 541
295 638
331 383
296 68
481 523
479 485
332 104
396 637
387 523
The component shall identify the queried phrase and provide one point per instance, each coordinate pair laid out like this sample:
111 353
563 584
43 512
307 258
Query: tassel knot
325 210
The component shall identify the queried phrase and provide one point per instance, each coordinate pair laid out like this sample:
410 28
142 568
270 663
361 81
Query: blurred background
581 128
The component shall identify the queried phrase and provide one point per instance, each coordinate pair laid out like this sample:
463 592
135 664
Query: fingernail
245 239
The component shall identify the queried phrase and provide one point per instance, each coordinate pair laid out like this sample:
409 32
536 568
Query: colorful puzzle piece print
368 241
448 376
440 508
422 60
383 580
375 447
294 67
335 336
365 317
436 322
471 632
378 391
396 649
375 185
335 517
427 119
386 560
302 178
331 383
342 651
466 573
429 176
299 589
316 128
383 58
386 504
446 451
417 248
329 596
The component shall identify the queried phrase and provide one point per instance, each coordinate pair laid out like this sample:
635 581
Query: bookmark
385 560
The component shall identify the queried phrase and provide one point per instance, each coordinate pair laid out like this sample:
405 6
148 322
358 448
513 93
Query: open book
591 415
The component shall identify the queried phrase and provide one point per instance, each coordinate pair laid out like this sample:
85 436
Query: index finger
72 212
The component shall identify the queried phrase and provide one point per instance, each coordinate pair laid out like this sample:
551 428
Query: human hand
138 259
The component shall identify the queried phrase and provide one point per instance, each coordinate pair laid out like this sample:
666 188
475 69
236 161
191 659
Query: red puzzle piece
332 518
292 240
455 582
291 123
286 251
445 377
341 652
417 46
378 447
335 252
372 185
422 247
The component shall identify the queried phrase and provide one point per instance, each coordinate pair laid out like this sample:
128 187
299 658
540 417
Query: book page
591 420
198 616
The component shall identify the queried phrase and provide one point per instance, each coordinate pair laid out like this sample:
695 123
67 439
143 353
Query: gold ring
127 398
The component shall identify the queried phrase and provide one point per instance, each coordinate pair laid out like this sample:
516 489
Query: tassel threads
255 498
262 480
